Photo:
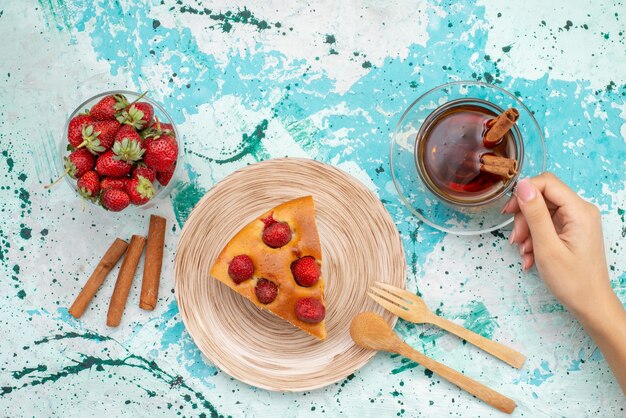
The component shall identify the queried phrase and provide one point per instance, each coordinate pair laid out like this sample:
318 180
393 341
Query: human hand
562 234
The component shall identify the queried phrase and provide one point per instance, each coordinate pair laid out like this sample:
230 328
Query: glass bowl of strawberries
120 149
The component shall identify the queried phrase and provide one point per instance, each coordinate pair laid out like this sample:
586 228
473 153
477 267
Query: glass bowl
418 196
161 192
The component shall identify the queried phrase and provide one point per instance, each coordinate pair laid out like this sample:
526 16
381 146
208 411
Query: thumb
536 213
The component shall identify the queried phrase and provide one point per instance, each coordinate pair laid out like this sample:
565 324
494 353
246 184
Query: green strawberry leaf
93 145
122 117
87 131
145 188
97 149
70 167
135 113
120 102
128 150
85 193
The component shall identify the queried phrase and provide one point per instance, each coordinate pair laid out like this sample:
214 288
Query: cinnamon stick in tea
104 267
125 280
499 126
152 264
500 166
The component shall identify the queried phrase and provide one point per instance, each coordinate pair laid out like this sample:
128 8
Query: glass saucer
412 190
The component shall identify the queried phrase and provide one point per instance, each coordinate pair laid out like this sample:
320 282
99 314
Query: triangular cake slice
275 262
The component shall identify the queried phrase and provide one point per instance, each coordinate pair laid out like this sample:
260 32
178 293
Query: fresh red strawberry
76 165
310 310
99 135
114 200
161 153
138 115
118 183
128 144
269 220
305 271
277 234
164 128
75 129
127 131
140 190
107 130
147 140
241 268
144 171
168 129
79 162
164 177
108 107
158 129
109 164
148 113
89 185
265 291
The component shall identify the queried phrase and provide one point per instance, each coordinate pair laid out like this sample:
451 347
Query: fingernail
521 249
525 191
506 205
512 237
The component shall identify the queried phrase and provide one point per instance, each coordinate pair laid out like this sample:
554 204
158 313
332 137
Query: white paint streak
574 54
370 28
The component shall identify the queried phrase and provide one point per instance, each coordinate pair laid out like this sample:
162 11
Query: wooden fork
412 308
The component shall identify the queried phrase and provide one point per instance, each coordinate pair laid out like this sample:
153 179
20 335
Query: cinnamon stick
125 280
106 264
153 263
499 126
500 166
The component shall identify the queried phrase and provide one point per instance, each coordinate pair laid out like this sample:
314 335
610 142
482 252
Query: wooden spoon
411 307
370 331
